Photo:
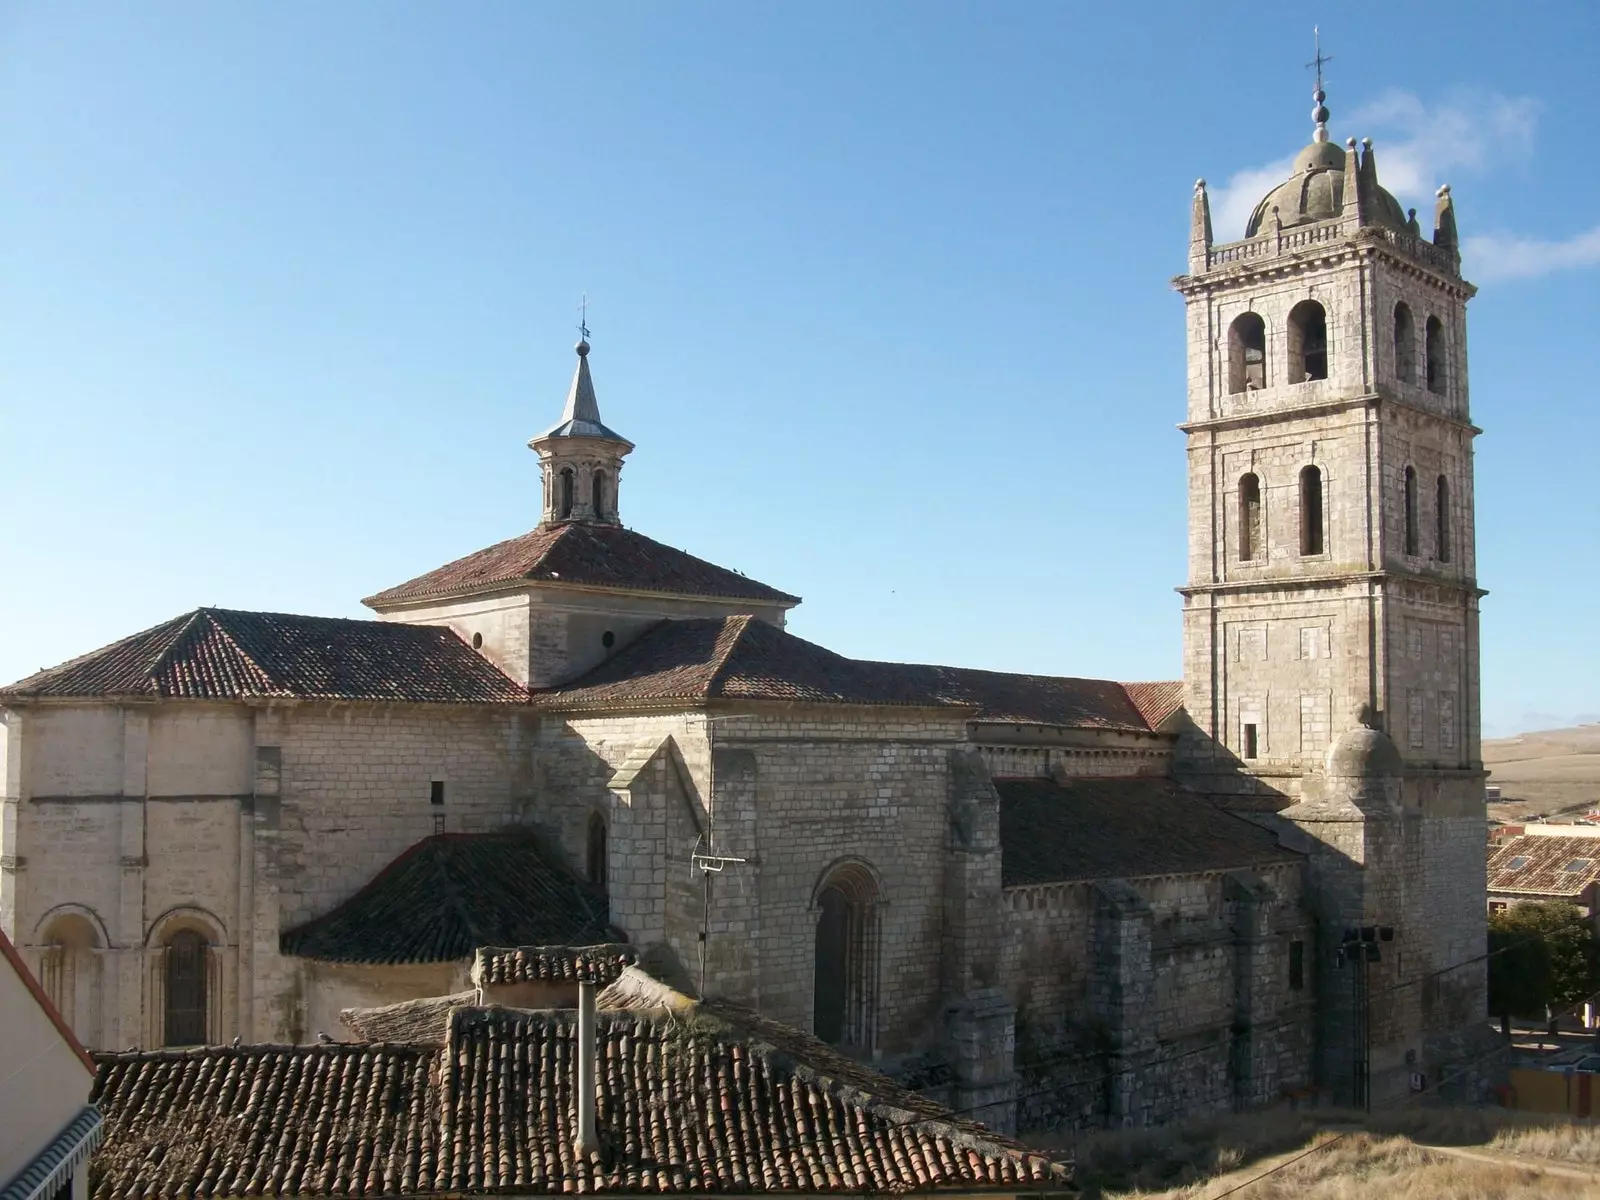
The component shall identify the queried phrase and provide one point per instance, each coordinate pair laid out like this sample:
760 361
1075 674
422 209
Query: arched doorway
845 975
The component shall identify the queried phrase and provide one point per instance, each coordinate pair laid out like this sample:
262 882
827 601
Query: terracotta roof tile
1538 865
418 1021
600 964
697 1102
589 555
744 658
450 894
223 654
1109 828
1156 701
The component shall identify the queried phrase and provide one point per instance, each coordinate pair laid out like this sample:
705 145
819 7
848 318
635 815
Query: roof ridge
262 674
724 663
165 656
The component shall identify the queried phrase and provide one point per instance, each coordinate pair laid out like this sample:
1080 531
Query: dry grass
1392 1157
1556 771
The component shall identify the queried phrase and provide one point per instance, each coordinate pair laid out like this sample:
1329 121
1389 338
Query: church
1046 901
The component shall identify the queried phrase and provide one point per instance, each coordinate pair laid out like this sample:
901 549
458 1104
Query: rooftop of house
742 658
225 654
714 1100
582 554
1544 864
452 893
1055 832
598 964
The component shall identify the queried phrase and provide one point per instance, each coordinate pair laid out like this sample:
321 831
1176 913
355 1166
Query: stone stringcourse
450 894
697 1104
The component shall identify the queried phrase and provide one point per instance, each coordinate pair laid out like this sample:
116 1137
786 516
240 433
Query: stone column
1121 979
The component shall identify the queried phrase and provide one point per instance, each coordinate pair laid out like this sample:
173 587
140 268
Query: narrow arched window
599 492
597 851
186 989
844 983
1434 351
1405 344
1308 342
565 508
1310 510
1247 353
1441 513
1411 510
1249 517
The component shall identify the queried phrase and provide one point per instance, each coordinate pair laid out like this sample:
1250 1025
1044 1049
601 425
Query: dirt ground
1555 772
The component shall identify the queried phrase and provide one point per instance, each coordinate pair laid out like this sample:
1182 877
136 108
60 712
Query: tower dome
1315 189
1364 751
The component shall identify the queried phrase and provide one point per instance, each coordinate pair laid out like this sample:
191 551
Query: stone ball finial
1444 190
1199 185
1350 143
1366 143
582 348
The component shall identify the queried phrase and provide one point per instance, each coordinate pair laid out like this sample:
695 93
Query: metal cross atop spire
1320 59
583 316
1319 114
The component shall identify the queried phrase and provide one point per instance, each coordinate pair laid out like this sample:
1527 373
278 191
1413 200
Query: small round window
608 639
477 641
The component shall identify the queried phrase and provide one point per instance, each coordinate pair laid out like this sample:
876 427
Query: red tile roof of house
1544 866
1121 828
223 654
585 555
744 658
453 892
699 1104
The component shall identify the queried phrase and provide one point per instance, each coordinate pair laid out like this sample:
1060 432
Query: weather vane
1321 58
583 316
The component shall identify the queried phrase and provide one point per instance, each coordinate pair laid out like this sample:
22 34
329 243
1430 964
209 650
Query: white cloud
1419 146
1234 201
1505 256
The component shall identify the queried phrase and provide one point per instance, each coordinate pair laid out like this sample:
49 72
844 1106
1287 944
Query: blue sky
879 290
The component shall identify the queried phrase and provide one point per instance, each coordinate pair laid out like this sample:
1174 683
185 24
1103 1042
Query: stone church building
1047 900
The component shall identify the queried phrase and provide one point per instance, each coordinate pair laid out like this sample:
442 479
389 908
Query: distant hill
1553 771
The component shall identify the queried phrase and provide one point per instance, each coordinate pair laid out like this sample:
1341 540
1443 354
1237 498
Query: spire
1444 220
1199 227
1319 114
1355 192
580 458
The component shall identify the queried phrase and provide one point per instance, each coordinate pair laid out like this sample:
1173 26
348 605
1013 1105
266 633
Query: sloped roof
744 658
600 964
1156 701
1544 869
453 892
1118 828
224 654
694 1104
588 554
423 1020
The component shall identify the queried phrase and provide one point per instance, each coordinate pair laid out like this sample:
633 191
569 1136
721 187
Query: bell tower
580 459
1332 572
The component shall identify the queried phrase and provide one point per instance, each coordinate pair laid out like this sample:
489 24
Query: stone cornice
1326 580
1324 408
1280 264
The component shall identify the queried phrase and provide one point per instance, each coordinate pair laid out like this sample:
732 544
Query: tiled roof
551 964
267 1120
1544 867
1156 701
589 555
694 1103
421 1020
743 658
450 894
1108 828
223 654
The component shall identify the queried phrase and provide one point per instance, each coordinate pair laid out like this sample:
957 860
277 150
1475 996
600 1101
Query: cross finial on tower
583 316
1319 114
